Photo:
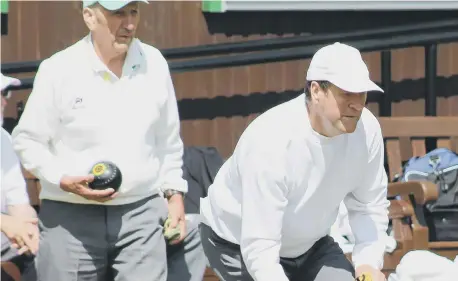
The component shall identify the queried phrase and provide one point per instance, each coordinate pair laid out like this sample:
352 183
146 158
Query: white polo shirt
14 191
79 113
280 191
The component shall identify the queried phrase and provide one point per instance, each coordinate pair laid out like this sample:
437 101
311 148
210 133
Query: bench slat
406 147
393 152
444 143
419 126
454 144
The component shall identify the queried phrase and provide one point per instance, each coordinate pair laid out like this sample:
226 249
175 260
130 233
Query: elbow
18 146
19 138
170 144
171 154
19 143
380 208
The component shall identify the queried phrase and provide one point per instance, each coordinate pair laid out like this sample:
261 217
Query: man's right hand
79 185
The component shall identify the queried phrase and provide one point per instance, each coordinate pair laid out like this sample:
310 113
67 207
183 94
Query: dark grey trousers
97 243
325 261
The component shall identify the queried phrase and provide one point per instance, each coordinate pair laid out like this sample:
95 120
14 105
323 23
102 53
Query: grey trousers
97 243
325 261
8 252
186 261
22 262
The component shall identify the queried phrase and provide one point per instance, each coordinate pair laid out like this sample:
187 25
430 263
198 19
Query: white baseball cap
112 5
343 66
9 81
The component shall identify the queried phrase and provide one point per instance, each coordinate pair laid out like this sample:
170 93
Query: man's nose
130 23
130 27
357 101
357 106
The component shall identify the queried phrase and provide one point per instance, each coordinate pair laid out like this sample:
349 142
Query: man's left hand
177 216
376 274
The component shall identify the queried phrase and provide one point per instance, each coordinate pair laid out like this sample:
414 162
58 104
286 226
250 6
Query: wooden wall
37 29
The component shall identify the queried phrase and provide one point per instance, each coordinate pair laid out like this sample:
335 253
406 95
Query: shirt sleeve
368 210
169 143
264 200
37 126
13 184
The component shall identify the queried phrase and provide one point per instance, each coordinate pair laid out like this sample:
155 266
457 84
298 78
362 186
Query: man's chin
124 40
347 128
122 47
349 125
349 131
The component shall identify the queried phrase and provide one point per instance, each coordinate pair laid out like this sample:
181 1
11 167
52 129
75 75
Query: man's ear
315 90
90 18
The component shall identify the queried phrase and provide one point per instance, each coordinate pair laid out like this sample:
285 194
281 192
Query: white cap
112 5
9 81
343 66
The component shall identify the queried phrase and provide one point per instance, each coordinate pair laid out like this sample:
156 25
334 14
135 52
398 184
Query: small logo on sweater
78 103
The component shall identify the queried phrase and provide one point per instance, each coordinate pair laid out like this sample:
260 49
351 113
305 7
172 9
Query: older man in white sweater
108 97
269 212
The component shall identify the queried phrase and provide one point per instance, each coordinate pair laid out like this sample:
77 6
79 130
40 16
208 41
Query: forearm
23 210
262 260
170 144
35 156
264 199
4 221
261 239
171 173
369 253
368 210
369 229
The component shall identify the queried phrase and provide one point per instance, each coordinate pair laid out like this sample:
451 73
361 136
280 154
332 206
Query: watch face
171 192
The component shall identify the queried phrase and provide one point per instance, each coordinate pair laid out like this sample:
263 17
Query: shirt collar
134 59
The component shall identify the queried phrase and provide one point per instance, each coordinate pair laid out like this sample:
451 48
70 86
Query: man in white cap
108 97
268 214
19 220
7 82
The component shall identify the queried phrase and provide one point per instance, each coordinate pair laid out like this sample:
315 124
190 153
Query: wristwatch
170 192
32 179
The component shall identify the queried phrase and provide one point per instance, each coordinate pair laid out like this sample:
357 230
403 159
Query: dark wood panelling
38 29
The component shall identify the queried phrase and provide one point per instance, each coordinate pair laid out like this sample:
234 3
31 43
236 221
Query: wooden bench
11 270
405 138
210 275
